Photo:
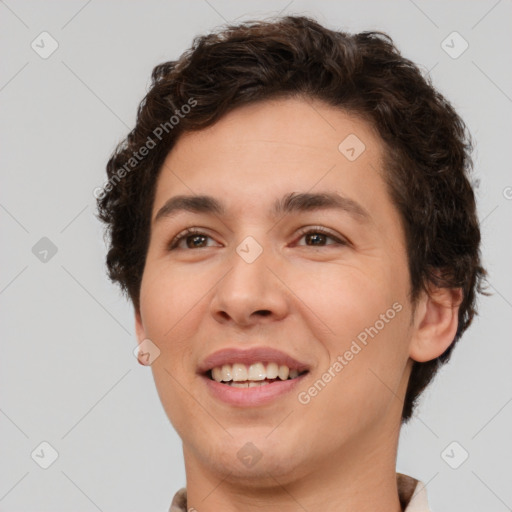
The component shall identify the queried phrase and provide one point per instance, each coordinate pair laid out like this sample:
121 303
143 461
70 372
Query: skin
307 297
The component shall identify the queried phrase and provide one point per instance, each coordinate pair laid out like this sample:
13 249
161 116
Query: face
298 249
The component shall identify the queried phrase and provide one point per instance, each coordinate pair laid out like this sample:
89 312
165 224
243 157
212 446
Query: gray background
67 372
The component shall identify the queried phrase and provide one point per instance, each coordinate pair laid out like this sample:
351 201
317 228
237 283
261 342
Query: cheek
360 384
170 307
177 404
344 299
168 299
361 319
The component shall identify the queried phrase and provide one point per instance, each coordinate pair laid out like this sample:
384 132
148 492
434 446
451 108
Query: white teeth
247 384
240 373
272 370
284 371
217 373
226 372
256 373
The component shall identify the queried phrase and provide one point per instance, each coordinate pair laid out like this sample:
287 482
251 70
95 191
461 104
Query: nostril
263 312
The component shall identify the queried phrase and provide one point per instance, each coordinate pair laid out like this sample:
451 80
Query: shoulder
412 493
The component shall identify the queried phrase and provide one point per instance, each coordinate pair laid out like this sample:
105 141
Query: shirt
411 492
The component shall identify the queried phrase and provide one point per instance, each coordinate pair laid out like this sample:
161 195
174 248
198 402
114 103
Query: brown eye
319 237
190 239
316 238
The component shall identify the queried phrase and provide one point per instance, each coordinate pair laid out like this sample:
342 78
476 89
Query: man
293 221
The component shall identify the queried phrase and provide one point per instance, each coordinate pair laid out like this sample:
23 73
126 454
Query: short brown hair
428 157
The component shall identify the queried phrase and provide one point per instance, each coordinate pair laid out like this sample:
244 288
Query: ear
139 328
435 323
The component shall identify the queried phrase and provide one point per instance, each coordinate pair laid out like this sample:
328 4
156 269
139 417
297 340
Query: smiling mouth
240 375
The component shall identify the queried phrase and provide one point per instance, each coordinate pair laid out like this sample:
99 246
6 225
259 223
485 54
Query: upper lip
250 356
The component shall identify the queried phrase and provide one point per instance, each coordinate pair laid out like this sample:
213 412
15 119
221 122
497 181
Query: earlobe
435 323
143 351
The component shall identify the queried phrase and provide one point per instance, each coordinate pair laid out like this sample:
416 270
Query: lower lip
251 397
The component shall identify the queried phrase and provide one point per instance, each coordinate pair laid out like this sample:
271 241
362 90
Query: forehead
267 150
300 124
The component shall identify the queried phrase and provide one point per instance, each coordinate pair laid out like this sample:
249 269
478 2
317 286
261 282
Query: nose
250 293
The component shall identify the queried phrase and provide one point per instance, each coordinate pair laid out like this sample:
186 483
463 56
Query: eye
318 236
192 238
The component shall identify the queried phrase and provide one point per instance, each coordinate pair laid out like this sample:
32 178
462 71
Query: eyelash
305 231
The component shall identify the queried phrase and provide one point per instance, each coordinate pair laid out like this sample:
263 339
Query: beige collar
412 494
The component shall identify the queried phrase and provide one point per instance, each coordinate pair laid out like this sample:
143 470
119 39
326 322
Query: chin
254 460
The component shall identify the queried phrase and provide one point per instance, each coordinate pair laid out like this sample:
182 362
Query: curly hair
428 147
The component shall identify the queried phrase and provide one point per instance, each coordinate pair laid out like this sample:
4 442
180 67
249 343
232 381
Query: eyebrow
290 203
